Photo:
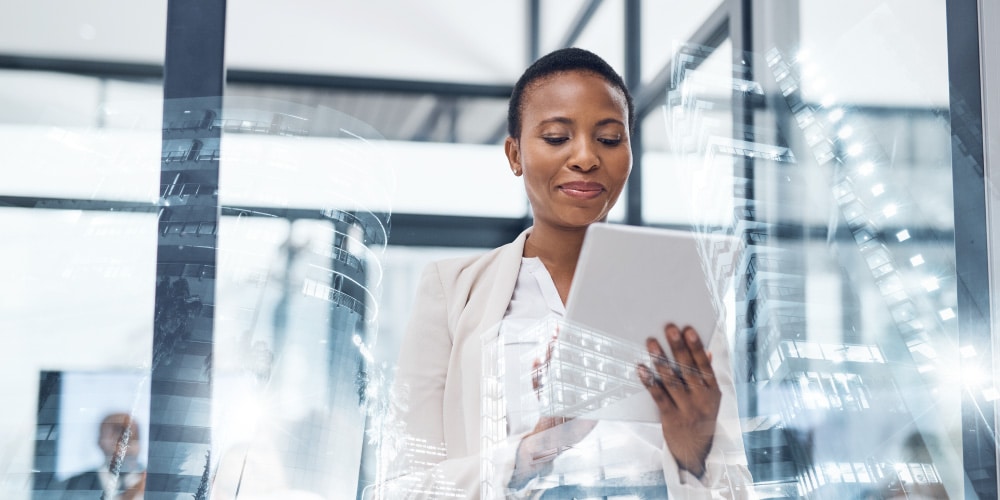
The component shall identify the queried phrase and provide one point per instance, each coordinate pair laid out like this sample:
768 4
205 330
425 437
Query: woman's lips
582 190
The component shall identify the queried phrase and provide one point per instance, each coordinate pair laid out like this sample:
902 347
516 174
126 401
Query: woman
569 123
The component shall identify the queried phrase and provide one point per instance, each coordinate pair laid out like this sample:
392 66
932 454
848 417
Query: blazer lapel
508 265
504 270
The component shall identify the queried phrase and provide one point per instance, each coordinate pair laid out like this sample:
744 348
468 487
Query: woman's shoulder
475 262
473 267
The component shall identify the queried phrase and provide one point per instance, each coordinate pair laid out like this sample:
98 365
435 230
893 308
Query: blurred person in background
121 477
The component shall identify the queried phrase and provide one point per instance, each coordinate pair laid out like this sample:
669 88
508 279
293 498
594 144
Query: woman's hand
686 394
551 435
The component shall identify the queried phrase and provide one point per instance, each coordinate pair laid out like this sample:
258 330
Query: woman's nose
584 156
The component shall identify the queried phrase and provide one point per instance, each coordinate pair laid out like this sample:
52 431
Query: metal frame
711 33
740 22
989 40
633 80
971 233
367 84
101 69
579 23
534 30
194 78
139 71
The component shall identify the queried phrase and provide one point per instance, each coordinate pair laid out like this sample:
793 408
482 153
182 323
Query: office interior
216 215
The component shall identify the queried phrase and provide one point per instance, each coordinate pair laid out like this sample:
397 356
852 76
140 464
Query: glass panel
77 316
666 24
80 124
301 324
676 190
84 137
837 166
240 333
604 34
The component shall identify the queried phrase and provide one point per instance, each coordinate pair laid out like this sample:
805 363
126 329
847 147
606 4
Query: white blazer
440 371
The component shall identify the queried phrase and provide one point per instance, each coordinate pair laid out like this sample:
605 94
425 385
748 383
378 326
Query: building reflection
824 409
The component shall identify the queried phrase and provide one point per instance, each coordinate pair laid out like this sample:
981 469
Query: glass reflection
843 398
270 220
92 428
298 305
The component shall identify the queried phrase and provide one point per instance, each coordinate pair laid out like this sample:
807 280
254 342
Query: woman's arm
425 464
417 464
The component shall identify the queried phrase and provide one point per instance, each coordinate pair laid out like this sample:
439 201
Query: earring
517 172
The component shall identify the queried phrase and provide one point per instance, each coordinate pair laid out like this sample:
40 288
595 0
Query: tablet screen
630 282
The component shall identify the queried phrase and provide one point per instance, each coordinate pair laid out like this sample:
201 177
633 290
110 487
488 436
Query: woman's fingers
656 389
664 370
702 358
678 341
681 380
686 393
694 362
536 375
538 366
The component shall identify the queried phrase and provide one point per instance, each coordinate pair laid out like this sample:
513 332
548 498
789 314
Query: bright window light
878 189
890 210
947 313
835 115
903 235
930 284
973 377
917 260
828 101
845 132
866 168
855 149
968 351
991 394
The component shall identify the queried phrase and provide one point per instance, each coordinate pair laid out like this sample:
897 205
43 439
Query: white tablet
630 282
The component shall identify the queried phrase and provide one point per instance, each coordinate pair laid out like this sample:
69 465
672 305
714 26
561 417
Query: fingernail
673 334
653 346
643 374
692 335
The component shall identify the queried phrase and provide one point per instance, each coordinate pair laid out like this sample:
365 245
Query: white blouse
615 448
535 298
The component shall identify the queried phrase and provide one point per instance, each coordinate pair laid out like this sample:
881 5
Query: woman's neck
559 250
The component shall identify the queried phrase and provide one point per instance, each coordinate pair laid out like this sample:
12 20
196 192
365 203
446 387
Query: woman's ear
513 151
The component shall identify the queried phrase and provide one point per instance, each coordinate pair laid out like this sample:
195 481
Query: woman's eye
555 140
610 142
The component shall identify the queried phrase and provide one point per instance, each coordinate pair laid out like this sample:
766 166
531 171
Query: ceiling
447 42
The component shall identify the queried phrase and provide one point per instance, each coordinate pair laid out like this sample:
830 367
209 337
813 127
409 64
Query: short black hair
561 61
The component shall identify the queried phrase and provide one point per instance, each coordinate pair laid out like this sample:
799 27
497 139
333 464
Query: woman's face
574 150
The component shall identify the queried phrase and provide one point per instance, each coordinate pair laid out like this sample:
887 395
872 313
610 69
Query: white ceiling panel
440 40
106 30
